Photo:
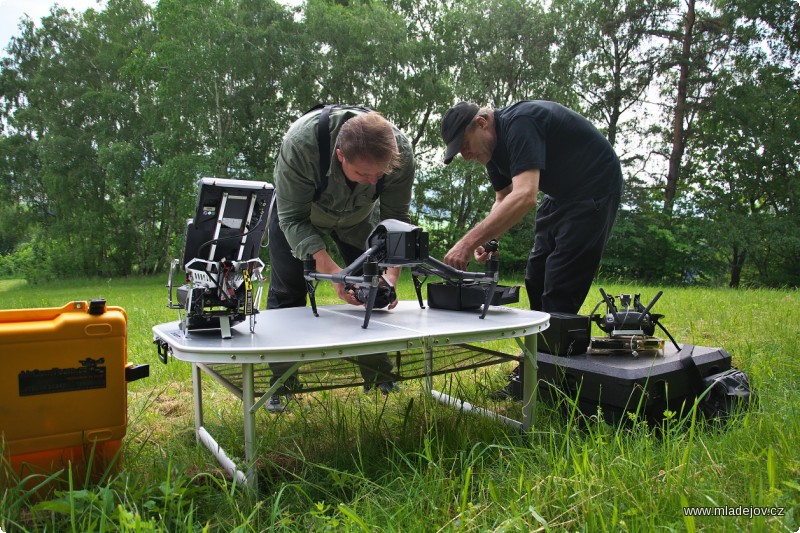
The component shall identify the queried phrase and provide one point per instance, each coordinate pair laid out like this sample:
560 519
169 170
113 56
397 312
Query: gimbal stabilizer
634 319
397 244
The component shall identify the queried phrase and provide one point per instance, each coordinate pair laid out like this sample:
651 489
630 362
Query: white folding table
296 336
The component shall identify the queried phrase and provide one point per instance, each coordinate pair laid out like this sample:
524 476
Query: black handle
162 348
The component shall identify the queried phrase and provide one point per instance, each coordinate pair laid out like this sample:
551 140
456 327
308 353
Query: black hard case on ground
622 383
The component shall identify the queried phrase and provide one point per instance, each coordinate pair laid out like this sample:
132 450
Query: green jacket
352 214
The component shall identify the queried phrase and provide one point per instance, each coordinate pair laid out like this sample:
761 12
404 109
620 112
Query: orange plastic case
63 387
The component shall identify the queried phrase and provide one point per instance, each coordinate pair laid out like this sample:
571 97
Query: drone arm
445 271
340 277
336 278
370 304
309 268
418 286
441 269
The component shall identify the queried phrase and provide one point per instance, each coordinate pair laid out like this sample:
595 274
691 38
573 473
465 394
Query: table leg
428 369
203 436
248 397
197 389
530 382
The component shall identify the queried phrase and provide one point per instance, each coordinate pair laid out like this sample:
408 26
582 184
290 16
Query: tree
504 49
219 67
775 23
425 89
696 46
358 53
449 200
748 170
613 58
212 89
497 52
75 129
119 111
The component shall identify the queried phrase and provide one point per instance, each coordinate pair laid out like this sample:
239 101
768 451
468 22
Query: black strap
324 143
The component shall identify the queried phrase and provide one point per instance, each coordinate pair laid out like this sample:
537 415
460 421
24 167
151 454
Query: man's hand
511 204
348 296
459 255
481 255
326 265
391 277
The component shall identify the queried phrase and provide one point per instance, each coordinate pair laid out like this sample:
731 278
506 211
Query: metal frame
407 327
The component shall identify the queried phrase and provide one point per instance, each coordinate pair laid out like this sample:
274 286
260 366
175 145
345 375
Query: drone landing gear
370 280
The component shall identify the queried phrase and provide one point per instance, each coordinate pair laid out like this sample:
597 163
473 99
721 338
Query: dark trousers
569 242
287 288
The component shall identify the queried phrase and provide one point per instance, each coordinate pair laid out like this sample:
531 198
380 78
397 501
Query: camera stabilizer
630 329
220 256
397 244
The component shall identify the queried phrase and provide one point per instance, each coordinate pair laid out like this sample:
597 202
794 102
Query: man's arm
295 179
326 265
511 205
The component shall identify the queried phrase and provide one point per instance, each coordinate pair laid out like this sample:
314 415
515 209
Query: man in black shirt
532 146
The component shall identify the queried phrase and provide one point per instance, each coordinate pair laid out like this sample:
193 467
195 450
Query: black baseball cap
454 124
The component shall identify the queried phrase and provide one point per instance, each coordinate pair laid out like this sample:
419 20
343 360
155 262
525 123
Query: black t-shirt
575 160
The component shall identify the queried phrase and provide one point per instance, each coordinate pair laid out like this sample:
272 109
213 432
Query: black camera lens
383 297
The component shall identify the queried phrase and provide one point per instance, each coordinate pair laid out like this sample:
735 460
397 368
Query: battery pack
568 334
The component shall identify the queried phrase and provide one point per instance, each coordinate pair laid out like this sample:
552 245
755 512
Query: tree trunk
737 262
678 132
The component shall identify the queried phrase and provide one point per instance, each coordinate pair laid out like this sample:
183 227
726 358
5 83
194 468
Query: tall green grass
347 461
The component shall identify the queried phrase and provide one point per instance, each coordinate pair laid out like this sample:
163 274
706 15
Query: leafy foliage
109 117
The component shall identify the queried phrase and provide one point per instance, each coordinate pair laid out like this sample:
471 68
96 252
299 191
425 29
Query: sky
11 11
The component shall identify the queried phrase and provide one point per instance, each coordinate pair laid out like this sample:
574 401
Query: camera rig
631 329
394 243
220 257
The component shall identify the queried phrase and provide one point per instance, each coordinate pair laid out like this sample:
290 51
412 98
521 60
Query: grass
346 461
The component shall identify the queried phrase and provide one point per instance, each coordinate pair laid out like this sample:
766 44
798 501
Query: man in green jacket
340 171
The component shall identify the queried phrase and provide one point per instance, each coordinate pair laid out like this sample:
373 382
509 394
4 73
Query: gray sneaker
385 388
276 404
388 387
